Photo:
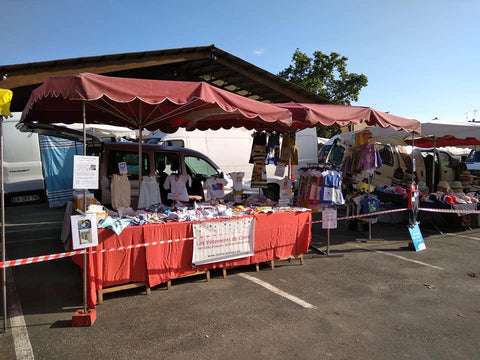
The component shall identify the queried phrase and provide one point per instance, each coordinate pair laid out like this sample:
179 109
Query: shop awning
309 115
444 133
148 104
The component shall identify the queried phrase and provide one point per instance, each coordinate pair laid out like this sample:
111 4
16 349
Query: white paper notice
329 218
85 172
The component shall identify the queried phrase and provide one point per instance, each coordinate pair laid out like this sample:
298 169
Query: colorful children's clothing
215 188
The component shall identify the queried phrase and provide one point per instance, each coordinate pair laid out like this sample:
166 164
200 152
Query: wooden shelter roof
204 63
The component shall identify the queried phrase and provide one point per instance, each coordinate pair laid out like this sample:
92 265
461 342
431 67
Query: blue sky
421 57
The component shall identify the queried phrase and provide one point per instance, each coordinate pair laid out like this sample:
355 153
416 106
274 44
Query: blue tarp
57 158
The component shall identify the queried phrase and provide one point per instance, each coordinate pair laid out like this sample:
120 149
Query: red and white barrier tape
451 211
43 258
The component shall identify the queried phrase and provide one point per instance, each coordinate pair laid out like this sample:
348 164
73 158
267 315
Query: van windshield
474 156
199 166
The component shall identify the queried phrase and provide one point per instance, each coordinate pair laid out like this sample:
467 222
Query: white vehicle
231 148
473 160
22 164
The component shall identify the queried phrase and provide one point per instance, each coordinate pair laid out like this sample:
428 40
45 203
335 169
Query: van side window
199 166
445 159
166 163
386 154
131 158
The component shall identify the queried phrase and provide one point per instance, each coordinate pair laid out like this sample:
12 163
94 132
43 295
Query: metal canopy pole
4 270
433 163
85 272
140 139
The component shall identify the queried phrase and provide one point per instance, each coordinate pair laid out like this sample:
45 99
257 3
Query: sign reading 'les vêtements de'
222 240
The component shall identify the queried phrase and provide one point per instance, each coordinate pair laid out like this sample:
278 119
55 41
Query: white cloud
258 51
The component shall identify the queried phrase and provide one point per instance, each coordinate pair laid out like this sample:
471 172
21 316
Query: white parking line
21 340
401 257
463 236
278 291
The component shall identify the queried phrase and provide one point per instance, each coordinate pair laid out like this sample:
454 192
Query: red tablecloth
277 236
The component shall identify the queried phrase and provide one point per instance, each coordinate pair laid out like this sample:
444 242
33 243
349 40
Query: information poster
222 240
122 168
329 218
84 231
85 172
417 237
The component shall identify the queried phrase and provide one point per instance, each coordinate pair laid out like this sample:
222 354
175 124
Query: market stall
164 105
158 259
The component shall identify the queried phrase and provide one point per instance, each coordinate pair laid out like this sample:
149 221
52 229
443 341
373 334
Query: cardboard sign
417 237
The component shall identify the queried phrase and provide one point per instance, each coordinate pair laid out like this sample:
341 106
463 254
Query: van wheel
272 192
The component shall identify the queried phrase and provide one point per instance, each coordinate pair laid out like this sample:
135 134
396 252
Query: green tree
327 76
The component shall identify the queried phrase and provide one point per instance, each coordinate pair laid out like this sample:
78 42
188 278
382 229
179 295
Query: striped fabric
57 159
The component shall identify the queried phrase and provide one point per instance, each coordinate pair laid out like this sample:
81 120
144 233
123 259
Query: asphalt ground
370 298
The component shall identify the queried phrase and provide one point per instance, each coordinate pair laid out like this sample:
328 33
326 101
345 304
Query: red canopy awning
149 104
429 142
309 115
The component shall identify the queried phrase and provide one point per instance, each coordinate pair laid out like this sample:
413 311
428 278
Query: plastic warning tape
451 211
41 258
364 215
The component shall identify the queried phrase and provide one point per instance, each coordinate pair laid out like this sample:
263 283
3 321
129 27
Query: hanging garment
286 192
259 172
178 187
369 158
259 176
149 192
237 178
331 192
259 144
273 149
289 151
120 191
369 205
215 188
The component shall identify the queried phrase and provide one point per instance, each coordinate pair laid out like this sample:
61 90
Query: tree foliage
327 76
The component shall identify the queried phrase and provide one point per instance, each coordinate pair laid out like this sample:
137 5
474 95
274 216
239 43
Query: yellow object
5 100
364 186
78 200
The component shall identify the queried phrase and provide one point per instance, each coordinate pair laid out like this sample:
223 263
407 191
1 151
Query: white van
230 149
22 164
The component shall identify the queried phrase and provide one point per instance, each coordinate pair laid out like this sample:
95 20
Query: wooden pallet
122 287
207 275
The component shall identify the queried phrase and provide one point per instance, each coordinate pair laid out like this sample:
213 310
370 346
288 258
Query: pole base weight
80 318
